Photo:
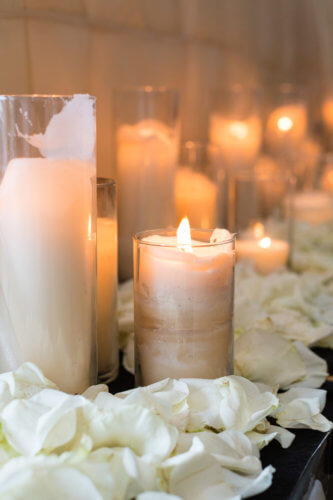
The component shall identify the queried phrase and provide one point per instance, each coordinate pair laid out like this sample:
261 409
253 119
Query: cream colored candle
239 140
47 265
195 197
313 207
183 307
146 167
267 254
107 282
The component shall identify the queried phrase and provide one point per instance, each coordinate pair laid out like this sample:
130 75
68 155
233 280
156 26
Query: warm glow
89 228
258 230
285 123
265 242
238 130
184 235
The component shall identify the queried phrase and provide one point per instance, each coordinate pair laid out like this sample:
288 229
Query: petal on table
301 408
316 368
265 356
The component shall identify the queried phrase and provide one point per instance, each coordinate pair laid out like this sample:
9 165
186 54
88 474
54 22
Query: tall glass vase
48 237
146 156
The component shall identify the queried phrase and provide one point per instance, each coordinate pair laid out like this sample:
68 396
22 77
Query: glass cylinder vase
48 237
261 205
198 179
236 125
146 157
183 306
107 280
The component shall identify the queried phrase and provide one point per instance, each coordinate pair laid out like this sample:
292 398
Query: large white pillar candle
195 197
267 254
146 167
183 305
48 236
47 265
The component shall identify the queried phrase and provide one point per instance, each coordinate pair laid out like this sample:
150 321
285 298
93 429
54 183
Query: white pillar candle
47 265
267 254
239 140
195 197
313 207
107 283
183 307
146 166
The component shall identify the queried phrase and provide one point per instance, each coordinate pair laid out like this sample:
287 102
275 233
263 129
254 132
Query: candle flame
258 230
265 242
238 130
285 123
184 236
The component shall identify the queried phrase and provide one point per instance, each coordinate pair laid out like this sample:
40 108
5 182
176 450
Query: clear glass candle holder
200 185
261 217
107 280
147 142
48 237
236 125
183 306
287 123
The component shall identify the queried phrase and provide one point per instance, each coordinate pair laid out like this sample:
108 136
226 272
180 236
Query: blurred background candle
267 254
146 151
48 235
195 189
235 125
287 121
313 207
107 280
183 302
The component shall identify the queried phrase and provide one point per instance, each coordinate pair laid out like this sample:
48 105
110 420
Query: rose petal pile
176 439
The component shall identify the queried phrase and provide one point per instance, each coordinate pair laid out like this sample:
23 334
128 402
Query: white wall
66 46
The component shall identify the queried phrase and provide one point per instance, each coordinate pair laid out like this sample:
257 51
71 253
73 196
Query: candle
107 297
48 235
195 197
239 140
47 265
146 166
183 304
313 207
267 254
287 123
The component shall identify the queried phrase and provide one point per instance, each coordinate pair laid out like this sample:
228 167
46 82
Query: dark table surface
308 458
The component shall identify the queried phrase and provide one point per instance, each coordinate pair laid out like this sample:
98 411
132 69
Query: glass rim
105 181
44 96
138 237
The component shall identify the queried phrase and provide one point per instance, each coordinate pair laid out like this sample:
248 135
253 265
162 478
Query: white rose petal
301 407
262 439
316 368
265 356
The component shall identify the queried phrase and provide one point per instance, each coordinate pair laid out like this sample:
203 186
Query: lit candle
239 140
107 282
267 254
146 167
313 207
195 197
287 124
183 304
47 265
